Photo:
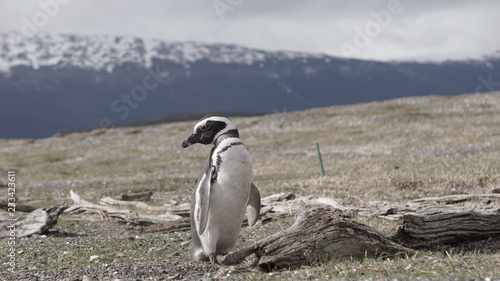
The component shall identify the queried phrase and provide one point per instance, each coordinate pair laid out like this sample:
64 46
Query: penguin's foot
214 261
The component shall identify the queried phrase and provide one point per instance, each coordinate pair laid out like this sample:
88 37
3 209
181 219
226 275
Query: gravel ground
139 271
92 249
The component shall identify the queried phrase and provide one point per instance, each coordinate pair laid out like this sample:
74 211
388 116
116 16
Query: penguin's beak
192 139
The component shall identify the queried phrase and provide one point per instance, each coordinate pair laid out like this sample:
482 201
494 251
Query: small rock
93 258
174 276
155 249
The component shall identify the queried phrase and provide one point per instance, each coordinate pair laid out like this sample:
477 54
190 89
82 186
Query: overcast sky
375 29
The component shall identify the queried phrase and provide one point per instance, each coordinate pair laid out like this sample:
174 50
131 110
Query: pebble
174 276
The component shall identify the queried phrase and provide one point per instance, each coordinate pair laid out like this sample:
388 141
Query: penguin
224 191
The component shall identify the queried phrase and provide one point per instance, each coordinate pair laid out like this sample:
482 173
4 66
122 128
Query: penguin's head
208 129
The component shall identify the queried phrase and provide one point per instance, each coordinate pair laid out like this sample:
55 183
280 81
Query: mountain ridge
61 83
87 50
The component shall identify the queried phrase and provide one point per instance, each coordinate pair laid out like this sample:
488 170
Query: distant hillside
182 117
60 83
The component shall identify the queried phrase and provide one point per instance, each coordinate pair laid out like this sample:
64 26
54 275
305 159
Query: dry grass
386 152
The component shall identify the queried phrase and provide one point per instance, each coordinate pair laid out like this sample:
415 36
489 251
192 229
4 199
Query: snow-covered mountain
58 83
101 52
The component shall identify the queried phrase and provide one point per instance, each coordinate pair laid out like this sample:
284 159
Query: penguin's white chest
228 196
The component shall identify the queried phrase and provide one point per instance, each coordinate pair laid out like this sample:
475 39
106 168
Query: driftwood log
108 201
458 198
123 215
317 236
482 203
321 234
38 221
140 196
174 216
433 221
419 231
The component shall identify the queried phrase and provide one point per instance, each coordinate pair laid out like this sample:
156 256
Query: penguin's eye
201 129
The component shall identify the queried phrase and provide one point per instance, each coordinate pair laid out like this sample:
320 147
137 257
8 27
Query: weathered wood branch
179 210
140 196
427 206
38 221
138 205
182 224
317 236
453 199
289 203
418 231
123 215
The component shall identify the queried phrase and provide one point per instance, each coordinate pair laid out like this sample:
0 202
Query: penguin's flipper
253 207
204 202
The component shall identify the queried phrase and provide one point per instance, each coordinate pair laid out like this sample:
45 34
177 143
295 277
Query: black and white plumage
224 191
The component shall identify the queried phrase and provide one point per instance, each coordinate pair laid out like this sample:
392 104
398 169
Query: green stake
320 160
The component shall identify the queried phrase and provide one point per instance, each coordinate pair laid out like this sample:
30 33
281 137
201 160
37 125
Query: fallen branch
38 221
418 231
321 234
182 224
144 196
427 206
123 215
317 236
135 204
453 199
287 203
